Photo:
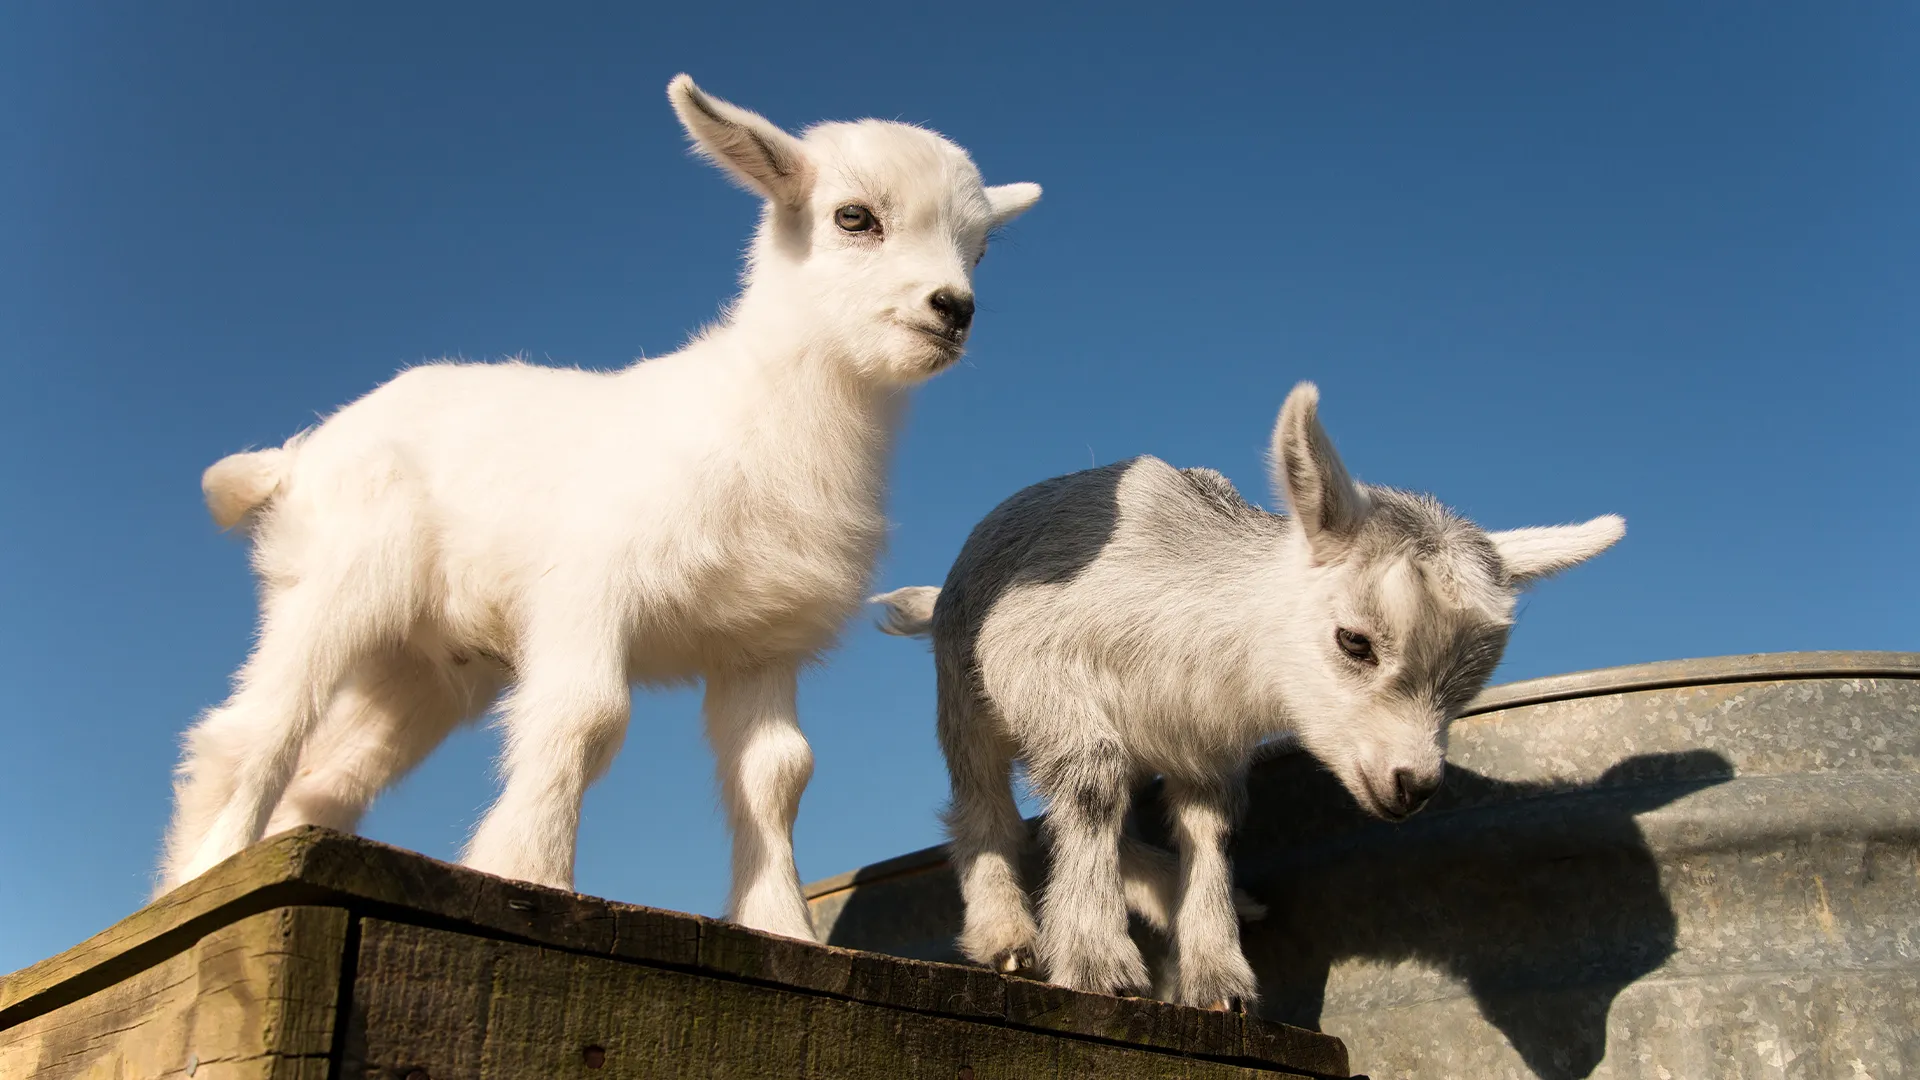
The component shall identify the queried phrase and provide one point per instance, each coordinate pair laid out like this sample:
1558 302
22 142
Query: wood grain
253 1000
455 1007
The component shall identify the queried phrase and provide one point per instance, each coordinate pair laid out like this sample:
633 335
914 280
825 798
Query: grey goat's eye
1358 646
855 218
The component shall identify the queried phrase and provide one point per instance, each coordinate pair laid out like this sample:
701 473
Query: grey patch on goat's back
1045 533
1051 532
1048 532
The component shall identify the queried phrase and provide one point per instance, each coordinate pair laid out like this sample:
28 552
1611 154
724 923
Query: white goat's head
1401 612
872 229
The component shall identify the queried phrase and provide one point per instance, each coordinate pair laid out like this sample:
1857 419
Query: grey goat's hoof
1014 961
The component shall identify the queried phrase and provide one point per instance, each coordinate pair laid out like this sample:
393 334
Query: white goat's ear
762 157
1532 554
1009 201
1307 473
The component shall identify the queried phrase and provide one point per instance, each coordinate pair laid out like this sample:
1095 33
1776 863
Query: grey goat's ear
756 152
1540 552
1309 476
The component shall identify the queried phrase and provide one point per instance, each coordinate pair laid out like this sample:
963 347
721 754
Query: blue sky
1546 262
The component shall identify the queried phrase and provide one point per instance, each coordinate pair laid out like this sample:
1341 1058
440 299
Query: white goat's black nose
1412 791
954 308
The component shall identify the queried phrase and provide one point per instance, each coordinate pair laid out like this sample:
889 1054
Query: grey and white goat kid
712 514
1138 619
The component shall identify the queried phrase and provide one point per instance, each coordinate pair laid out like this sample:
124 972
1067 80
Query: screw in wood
594 1056
966 1072
417 1074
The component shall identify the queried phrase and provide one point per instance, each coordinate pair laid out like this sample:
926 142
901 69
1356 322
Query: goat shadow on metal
1543 901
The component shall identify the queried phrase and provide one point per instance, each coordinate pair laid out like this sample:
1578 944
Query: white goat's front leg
1083 911
1209 968
764 765
564 722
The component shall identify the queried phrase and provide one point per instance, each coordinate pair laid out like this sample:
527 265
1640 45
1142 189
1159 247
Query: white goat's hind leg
202 786
986 836
764 765
564 723
1209 968
384 721
240 755
1083 911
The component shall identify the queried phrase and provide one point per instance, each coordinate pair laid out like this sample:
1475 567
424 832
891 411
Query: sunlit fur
711 515
1139 619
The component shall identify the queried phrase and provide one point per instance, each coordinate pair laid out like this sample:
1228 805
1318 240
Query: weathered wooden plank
316 867
947 989
455 1007
253 1000
1310 1051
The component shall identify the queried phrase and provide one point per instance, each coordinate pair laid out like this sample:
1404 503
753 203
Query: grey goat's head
1399 612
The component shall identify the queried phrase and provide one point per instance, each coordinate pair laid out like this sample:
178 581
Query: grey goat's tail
909 610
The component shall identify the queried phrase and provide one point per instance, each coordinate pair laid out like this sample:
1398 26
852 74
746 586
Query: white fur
237 484
1541 551
1137 619
712 514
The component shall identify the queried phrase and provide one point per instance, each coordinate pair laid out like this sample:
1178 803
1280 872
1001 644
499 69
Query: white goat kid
1139 619
712 514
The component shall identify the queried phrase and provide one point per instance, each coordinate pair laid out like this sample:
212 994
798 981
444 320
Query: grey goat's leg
1083 912
986 835
1209 968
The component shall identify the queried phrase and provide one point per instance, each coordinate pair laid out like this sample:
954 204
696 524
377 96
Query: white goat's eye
1358 646
855 218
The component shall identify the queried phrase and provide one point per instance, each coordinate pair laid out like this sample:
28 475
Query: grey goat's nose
954 308
1412 790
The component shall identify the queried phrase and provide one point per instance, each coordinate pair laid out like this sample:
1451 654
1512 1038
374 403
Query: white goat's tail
909 610
239 484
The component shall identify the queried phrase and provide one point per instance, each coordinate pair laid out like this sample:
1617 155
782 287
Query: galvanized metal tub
1676 870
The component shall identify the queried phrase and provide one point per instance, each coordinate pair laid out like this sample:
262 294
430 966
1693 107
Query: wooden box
319 956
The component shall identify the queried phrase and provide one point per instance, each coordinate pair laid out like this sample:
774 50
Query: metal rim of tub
1629 678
